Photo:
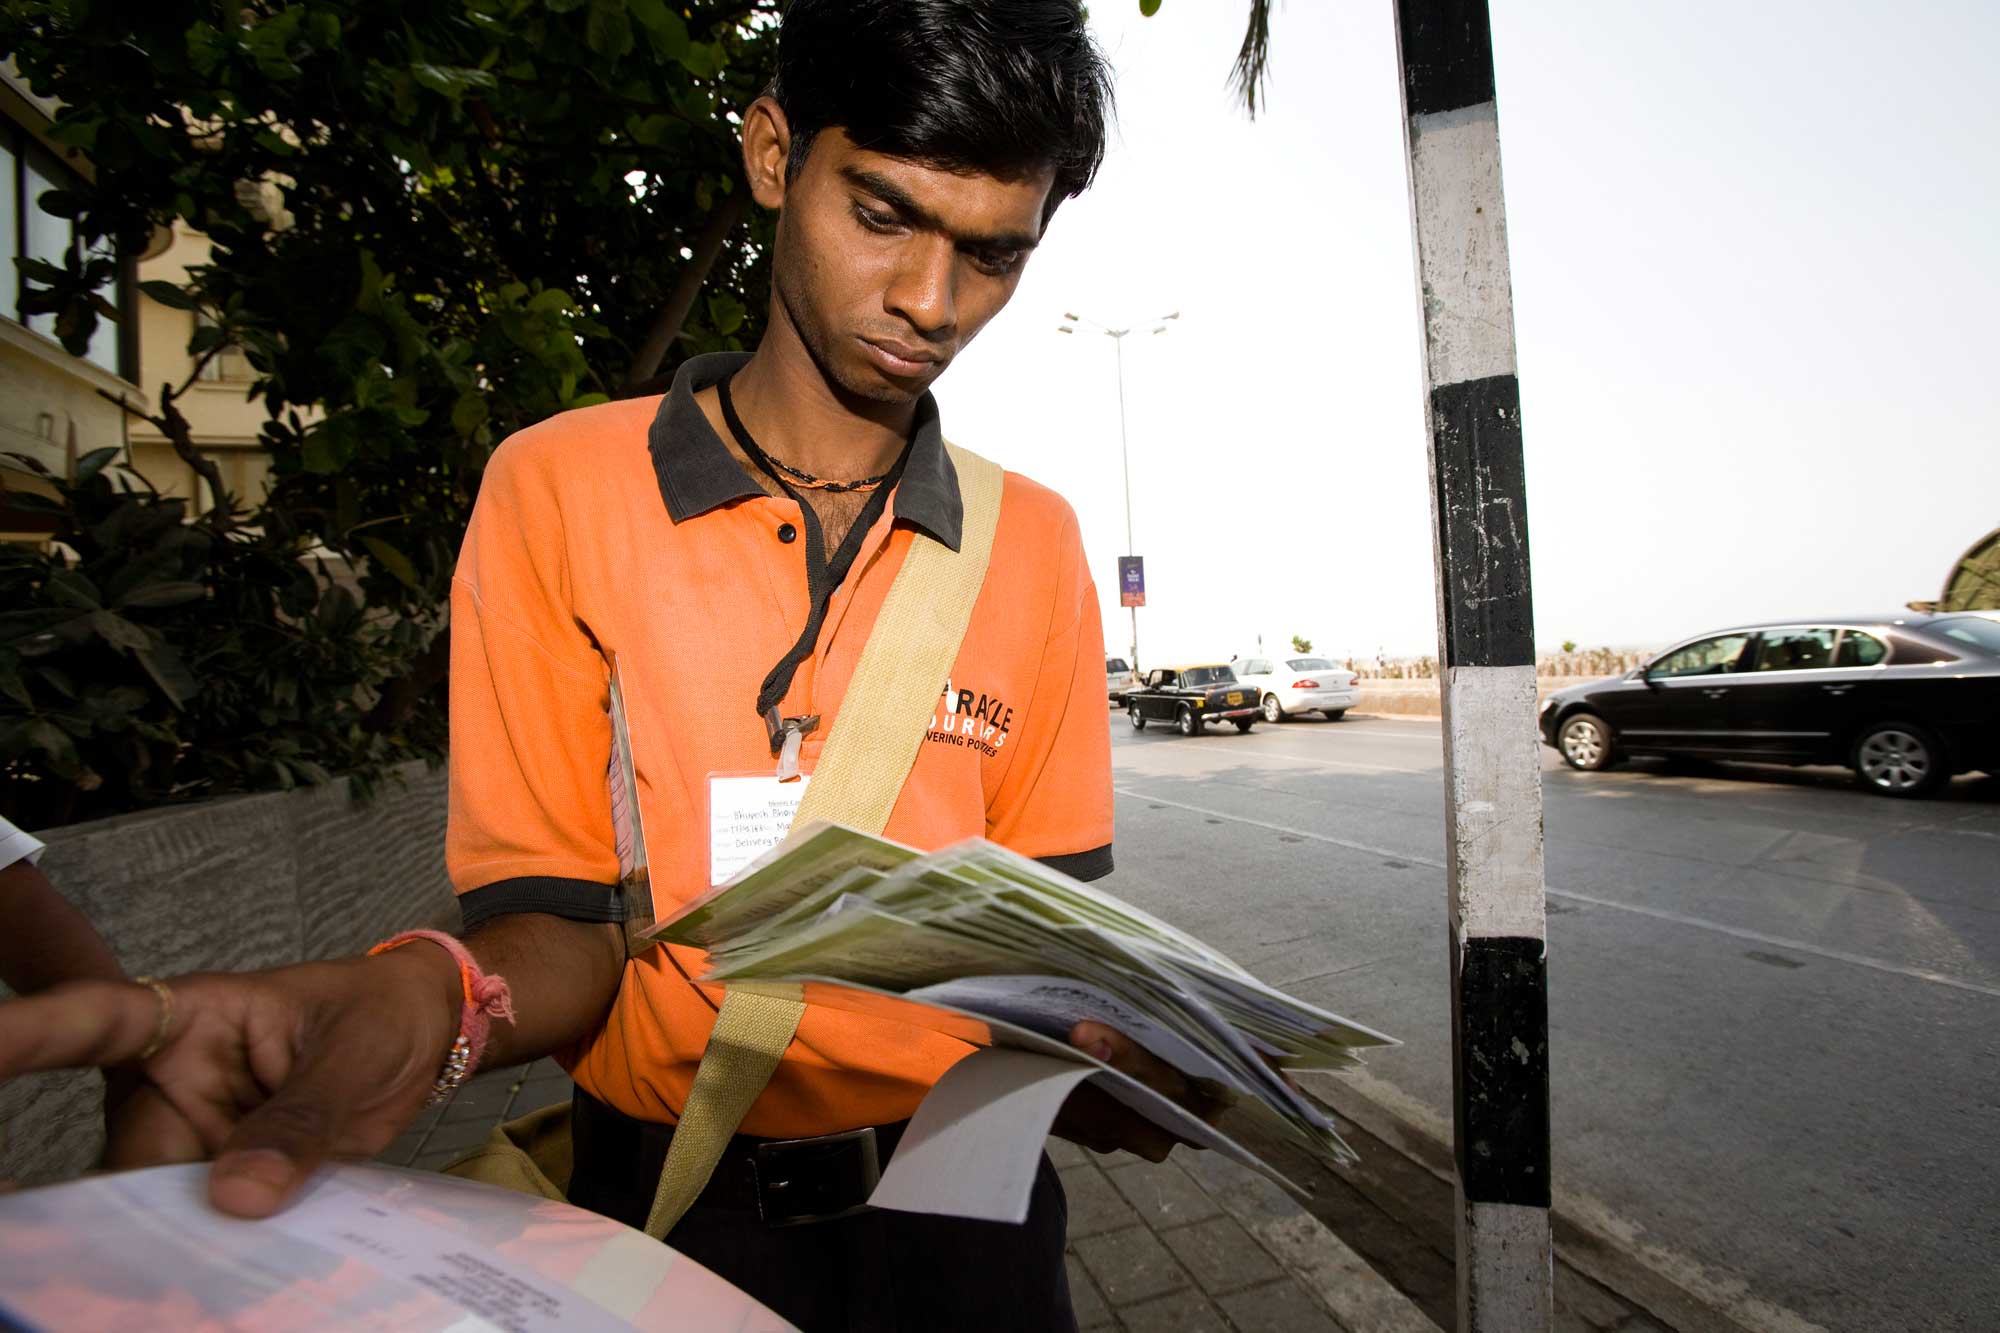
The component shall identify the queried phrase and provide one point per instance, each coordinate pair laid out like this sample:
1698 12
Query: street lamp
1117 336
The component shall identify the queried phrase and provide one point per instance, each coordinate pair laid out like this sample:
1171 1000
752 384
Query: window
1710 657
230 366
1309 664
1973 631
1115 666
26 232
10 223
1860 650
1215 675
1796 650
1920 652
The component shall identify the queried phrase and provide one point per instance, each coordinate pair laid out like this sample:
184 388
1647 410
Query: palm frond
1250 73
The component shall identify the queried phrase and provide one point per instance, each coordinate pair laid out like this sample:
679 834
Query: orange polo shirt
630 529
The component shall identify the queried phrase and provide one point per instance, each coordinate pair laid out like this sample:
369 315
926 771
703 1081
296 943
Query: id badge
748 815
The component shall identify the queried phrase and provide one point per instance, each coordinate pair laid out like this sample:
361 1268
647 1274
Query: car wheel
1899 759
1274 713
1585 742
1138 718
1243 724
1190 724
1335 714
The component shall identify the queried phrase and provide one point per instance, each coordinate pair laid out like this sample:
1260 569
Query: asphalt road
1774 999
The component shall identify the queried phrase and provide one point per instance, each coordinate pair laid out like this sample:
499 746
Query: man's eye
873 220
998 262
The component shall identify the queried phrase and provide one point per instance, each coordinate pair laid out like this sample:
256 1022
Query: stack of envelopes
978 930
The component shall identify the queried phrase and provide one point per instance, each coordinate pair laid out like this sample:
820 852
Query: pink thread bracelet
485 999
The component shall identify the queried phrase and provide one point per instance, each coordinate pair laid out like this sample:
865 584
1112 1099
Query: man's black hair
1007 88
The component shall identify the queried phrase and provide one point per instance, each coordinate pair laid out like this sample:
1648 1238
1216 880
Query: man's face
887 267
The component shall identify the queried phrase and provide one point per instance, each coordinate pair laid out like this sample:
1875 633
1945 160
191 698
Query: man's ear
767 150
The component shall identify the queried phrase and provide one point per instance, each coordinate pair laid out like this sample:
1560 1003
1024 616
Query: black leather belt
786 1182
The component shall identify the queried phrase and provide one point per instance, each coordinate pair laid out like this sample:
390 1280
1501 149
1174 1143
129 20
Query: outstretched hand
269 1073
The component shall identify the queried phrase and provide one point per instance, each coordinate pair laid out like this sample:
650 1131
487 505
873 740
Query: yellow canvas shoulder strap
868 756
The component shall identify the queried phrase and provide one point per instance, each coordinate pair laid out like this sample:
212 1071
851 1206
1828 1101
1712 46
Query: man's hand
268 1072
1102 1123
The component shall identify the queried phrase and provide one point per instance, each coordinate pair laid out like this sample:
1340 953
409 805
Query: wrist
482 998
430 977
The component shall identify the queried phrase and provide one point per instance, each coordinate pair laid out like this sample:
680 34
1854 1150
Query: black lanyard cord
823 576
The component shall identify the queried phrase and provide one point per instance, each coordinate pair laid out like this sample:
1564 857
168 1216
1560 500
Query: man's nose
923 290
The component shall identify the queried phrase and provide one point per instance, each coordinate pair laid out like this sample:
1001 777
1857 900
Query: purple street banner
1131 580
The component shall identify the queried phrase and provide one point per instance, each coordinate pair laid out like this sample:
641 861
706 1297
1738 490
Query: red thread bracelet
485 998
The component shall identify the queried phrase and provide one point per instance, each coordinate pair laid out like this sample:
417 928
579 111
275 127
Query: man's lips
900 359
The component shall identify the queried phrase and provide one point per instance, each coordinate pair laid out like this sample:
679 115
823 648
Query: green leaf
61 203
119 632
93 463
554 298
608 30
322 453
1149 7
11 683
66 587
587 400
394 561
167 592
170 673
50 739
665 26
469 413
167 294
453 81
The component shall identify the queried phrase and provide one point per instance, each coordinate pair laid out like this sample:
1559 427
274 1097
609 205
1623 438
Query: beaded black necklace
799 477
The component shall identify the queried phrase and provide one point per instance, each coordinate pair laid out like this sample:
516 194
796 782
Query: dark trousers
876 1270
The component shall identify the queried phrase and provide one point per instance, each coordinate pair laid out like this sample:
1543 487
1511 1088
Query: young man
730 545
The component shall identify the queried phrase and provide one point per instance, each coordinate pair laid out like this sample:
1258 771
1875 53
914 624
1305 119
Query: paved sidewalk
1189 1245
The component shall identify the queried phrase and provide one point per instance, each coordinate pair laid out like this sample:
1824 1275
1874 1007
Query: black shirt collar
697 472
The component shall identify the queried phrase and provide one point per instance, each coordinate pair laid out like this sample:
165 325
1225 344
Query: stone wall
232 884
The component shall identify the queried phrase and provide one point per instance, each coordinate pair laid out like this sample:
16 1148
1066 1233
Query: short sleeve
530 813
1055 802
17 846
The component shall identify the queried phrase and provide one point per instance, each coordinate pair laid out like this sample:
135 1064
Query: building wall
51 403
223 422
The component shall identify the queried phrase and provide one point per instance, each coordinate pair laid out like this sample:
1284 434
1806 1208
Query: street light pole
1117 337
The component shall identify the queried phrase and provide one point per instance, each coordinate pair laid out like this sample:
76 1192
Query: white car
1287 685
1118 678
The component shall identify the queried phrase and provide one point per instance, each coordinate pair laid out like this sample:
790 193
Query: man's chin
877 386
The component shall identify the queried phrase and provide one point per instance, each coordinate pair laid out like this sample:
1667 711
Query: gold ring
166 997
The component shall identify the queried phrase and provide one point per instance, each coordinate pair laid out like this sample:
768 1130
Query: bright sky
1756 284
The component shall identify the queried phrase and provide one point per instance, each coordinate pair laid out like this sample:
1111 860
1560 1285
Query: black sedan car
1905 700
1190 697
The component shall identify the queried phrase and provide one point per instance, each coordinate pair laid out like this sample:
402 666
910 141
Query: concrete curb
1671 1288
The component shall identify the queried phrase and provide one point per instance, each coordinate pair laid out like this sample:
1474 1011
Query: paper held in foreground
361 1247
1004 953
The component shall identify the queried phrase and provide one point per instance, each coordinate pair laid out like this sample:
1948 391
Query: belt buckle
817 1179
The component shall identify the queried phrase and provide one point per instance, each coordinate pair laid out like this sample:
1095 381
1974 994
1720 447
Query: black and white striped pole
1486 655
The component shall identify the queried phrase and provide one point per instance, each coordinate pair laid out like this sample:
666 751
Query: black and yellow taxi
1190 697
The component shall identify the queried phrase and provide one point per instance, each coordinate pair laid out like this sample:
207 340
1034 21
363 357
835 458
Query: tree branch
174 426
667 324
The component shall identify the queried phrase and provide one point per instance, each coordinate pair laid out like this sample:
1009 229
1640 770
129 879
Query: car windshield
1976 631
1218 675
1114 665
1309 664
